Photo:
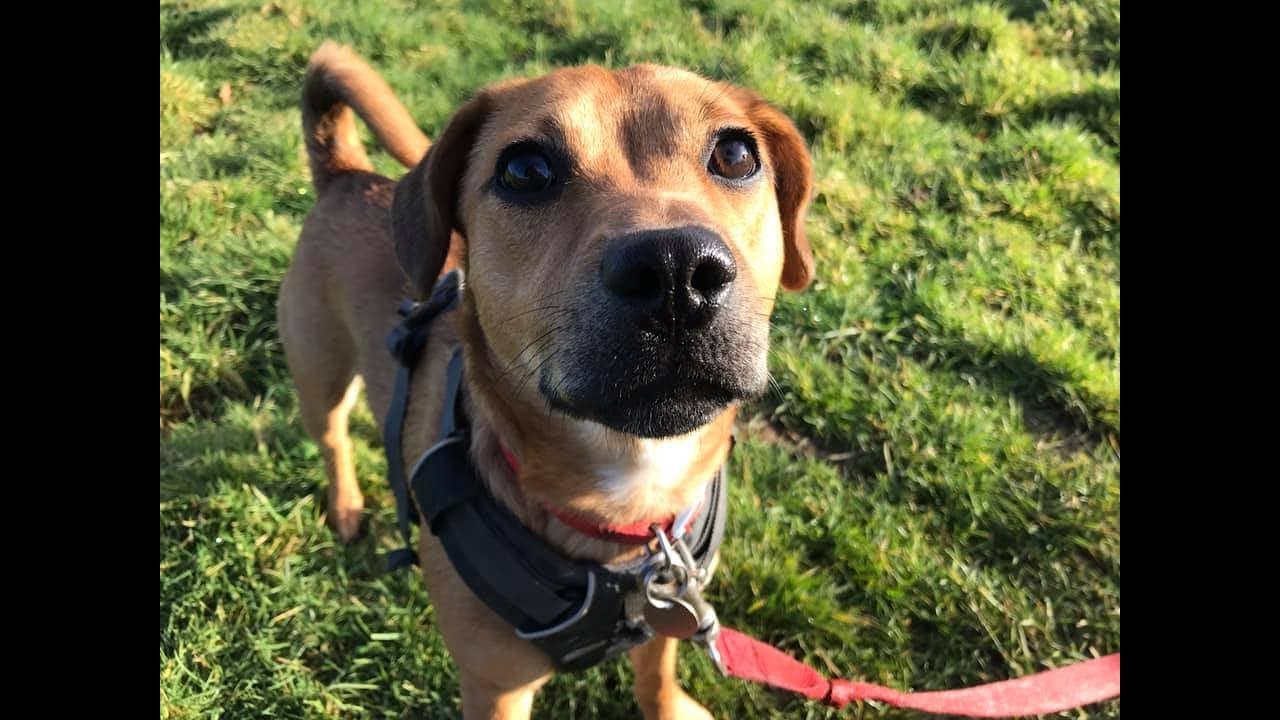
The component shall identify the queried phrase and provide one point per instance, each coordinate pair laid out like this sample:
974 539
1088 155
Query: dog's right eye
525 170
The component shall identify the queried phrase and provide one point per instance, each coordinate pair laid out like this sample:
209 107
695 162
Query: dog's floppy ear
425 210
792 182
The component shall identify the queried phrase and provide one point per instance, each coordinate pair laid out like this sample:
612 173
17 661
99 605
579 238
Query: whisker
553 308
537 303
533 372
516 359
773 383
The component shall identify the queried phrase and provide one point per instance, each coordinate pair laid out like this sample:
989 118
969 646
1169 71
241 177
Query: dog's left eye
526 171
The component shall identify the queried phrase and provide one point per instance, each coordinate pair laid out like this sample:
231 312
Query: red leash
1046 692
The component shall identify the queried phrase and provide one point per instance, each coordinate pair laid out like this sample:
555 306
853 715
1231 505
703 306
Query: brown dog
623 234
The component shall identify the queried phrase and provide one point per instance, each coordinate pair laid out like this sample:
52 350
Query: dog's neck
577 466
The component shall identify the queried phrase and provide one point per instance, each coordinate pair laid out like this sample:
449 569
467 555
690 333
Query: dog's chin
657 410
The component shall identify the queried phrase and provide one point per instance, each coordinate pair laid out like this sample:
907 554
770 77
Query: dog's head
626 233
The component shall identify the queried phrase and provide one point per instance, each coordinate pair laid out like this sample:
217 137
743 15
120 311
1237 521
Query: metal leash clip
707 639
674 605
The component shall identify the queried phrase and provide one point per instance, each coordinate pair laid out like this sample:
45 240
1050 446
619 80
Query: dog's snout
674 276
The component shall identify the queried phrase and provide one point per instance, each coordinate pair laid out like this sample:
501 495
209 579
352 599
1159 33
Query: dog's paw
345 516
686 708
675 706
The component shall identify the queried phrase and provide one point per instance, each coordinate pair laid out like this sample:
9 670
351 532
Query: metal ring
578 615
680 525
680 577
646 583
668 551
430 451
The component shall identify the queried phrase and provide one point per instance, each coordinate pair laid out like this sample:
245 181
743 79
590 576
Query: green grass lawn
931 494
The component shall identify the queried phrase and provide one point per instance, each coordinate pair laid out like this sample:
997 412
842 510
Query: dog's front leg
485 700
499 674
659 695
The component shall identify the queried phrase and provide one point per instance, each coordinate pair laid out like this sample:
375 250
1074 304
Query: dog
623 235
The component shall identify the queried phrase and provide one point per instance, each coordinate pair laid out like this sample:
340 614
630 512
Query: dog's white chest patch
639 470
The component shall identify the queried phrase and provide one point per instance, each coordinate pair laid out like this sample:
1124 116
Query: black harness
579 613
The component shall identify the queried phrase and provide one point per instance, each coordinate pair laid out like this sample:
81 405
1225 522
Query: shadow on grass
184 32
954 654
1045 393
956 38
268 449
1050 410
1093 109
590 48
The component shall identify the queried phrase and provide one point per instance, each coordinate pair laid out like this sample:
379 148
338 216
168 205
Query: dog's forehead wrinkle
651 127
648 117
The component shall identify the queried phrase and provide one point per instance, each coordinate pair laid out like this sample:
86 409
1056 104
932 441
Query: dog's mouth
648 391
666 408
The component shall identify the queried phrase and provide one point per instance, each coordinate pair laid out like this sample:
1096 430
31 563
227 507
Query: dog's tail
337 82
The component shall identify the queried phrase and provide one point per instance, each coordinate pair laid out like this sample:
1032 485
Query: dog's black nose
673 276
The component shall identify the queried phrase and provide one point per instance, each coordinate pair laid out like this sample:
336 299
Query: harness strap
406 514
459 510
708 533
454 503
453 396
406 342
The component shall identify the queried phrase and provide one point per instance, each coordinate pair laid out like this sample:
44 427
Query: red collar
636 533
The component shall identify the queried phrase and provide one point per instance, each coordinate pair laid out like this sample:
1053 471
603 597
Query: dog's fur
544 346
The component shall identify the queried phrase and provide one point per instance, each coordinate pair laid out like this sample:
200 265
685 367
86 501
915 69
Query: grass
931 498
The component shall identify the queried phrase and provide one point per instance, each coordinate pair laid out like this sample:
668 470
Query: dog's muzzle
666 338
